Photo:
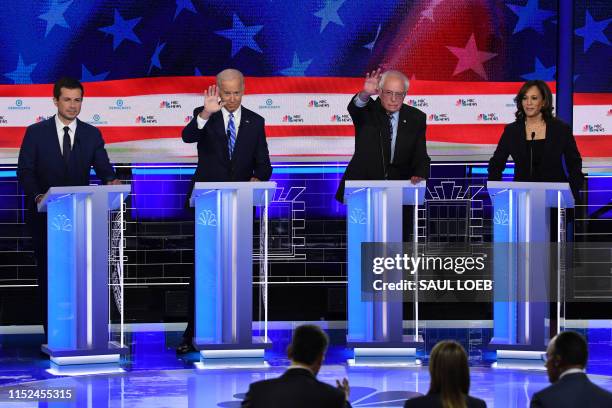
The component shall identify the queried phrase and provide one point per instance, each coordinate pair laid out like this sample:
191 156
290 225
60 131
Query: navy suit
41 166
573 390
296 388
250 158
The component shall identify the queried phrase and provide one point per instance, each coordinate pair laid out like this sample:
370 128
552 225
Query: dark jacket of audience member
450 380
566 358
298 387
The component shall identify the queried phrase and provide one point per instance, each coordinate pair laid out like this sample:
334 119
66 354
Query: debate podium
522 264
374 214
224 268
79 330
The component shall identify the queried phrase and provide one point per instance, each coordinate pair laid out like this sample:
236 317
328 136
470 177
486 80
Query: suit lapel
400 140
245 122
385 132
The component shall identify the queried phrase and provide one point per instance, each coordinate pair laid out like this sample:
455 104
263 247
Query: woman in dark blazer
449 380
538 142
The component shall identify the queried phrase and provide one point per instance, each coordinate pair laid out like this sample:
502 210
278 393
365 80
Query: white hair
393 73
229 74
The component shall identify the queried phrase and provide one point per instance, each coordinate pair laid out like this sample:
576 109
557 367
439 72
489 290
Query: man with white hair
231 147
389 135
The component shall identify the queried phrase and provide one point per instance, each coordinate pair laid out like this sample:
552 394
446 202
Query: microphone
382 154
531 156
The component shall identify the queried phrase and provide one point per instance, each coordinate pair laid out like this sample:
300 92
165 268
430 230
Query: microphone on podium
531 156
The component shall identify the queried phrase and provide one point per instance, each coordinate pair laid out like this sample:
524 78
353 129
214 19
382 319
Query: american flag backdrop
146 63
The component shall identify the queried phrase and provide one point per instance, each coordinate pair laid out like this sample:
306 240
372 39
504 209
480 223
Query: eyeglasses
391 94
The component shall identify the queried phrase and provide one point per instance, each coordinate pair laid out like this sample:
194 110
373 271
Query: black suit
41 166
250 158
573 390
434 401
296 388
371 160
560 145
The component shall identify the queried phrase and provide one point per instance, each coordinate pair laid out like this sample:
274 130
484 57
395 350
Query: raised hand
344 387
212 102
370 86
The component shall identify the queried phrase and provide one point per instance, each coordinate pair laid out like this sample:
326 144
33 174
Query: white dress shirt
237 114
60 132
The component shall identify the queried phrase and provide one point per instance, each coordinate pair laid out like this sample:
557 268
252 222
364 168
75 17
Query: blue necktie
231 135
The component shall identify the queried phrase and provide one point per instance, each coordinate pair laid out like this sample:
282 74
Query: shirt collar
571 371
60 126
236 113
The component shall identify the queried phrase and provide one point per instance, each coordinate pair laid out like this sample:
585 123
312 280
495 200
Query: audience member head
308 346
566 350
450 374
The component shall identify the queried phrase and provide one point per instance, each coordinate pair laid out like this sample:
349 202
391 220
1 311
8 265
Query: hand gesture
212 102
344 387
370 86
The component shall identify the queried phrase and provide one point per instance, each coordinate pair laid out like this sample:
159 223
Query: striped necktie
231 135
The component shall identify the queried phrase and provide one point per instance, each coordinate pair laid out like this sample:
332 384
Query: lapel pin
404 121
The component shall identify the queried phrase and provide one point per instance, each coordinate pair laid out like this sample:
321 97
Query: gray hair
393 73
229 74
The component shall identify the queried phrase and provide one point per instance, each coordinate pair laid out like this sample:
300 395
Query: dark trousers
190 329
37 226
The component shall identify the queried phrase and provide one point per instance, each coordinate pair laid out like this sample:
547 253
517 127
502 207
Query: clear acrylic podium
521 225
374 214
224 268
78 274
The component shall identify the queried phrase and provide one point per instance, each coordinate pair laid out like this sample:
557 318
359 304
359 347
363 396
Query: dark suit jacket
434 401
573 390
373 150
560 145
296 388
41 164
250 157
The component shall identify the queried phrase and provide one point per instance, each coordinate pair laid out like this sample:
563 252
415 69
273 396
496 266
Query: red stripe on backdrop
593 99
589 146
260 85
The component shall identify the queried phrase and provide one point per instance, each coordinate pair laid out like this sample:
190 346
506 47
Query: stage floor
155 377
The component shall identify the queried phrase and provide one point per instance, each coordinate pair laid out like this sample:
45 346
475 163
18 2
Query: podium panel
374 214
224 267
78 265
521 217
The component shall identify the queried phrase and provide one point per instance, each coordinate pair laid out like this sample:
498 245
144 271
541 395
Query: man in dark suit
389 135
298 387
231 147
566 359
59 151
